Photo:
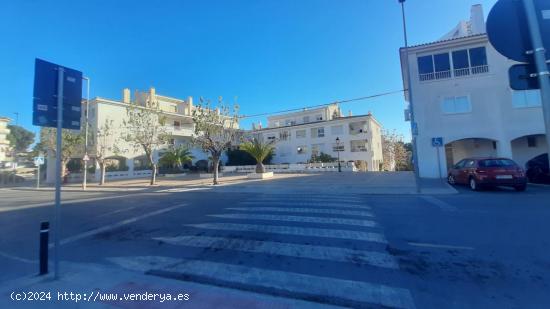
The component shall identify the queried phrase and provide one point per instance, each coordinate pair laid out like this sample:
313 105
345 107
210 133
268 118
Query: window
358 146
301 149
300 133
290 122
471 61
338 147
531 141
336 130
316 149
478 56
319 117
461 63
284 135
442 66
470 163
357 127
270 137
456 105
177 124
306 119
496 163
317 132
526 98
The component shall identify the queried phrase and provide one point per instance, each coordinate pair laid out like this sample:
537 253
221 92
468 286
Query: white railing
427 76
462 72
480 69
293 168
443 74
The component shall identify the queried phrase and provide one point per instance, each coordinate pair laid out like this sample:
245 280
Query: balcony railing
456 73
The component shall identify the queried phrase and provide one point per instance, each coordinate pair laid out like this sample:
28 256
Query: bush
322 158
240 157
202 165
75 165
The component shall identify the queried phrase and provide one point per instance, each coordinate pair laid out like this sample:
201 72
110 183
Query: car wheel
451 180
473 184
520 188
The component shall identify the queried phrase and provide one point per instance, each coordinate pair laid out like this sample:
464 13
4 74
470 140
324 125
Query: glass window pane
448 105
462 105
478 56
460 59
533 97
425 65
442 62
518 99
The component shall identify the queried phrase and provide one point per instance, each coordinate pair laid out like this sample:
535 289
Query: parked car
537 169
485 172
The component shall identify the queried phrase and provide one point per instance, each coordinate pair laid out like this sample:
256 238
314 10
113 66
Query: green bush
240 157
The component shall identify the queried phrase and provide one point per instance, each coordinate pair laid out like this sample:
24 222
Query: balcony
455 73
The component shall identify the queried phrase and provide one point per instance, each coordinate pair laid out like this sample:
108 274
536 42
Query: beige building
4 143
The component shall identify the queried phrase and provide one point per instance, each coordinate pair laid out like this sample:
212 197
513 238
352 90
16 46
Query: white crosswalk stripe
307 210
312 204
304 198
302 219
294 230
287 249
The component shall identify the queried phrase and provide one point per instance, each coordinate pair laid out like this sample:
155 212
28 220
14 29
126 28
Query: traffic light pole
539 54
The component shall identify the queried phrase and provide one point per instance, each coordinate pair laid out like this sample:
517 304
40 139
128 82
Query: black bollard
44 235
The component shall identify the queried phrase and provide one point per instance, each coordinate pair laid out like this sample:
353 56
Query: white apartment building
461 93
300 135
179 123
4 143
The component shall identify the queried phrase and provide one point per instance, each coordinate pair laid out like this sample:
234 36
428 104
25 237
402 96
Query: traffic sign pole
539 54
38 177
57 210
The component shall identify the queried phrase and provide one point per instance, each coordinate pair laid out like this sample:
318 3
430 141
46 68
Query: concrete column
50 170
504 148
130 163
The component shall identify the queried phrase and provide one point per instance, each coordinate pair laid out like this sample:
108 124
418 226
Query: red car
483 172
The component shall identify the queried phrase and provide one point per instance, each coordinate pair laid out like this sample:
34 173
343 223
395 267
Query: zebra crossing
320 248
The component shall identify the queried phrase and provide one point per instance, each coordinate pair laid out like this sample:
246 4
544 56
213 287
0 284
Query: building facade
301 135
461 93
4 143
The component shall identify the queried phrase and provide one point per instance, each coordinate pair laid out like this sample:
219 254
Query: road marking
295 231
300 199
417 244
2 209
116 225
115 212
377 259
302 219
439 203
143 263
306 210
324 289
314 204
16 258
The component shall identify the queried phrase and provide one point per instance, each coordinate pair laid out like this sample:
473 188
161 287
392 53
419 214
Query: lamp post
85 159
414 127
338 152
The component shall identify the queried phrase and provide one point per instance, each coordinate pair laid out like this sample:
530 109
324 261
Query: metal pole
38 177
411 105
84 181
438 162
539 53
57 219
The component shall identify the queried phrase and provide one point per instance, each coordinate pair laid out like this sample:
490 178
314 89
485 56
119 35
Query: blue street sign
38 161
521 79
437 141
45 96
508 31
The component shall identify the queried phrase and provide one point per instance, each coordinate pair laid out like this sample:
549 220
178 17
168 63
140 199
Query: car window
470 163
497 163
460 164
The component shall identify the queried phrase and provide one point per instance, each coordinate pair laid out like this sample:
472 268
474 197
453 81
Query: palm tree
259 150
176 157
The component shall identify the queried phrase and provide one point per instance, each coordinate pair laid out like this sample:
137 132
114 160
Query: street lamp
86 158
414 128
338 152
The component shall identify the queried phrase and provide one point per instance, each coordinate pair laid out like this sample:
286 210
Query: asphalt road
469 250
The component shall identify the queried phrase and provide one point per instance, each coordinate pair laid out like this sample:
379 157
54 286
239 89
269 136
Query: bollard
44 235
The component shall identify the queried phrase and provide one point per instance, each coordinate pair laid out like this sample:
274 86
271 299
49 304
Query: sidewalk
95 280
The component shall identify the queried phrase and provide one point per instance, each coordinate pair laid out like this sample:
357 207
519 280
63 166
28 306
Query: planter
260 175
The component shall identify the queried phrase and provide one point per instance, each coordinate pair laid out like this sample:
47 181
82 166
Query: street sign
437 141
38 161
86 158
45 96
523 77
508 30
414 128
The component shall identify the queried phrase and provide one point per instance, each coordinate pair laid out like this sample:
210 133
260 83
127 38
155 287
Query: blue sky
270 54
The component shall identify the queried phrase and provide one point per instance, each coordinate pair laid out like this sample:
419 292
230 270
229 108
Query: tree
259 150
395 155
240 157
322 158
72 143
105 144
20 138
144 130
215 130
175 157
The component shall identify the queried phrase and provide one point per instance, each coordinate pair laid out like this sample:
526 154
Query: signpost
37 162
57 100
520 30
524 77
437 142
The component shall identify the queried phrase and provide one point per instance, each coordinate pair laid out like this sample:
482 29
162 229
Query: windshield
497 163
